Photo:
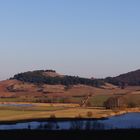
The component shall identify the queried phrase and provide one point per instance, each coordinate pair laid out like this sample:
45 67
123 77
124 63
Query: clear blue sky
88 38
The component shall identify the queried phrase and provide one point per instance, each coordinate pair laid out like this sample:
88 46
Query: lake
126 121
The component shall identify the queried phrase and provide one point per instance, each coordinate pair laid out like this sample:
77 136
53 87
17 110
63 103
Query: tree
115 102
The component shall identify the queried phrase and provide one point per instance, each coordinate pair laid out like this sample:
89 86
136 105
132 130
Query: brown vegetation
89 114
115 102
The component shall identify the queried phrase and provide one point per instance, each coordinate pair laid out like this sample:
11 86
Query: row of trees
37 77
118 102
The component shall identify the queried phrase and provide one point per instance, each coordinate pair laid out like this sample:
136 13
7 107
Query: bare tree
115 102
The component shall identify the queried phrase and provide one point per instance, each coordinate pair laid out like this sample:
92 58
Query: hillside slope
130 78
49 86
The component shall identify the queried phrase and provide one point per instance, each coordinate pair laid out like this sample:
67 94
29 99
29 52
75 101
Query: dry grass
13 115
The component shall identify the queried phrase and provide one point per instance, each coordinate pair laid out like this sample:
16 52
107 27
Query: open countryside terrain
52 95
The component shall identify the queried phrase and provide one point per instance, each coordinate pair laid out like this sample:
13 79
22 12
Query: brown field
25 92
21 89
66 101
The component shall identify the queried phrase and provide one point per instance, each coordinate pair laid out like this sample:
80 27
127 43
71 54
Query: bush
89 104
52 116
68 87
89 114
132 105
79 116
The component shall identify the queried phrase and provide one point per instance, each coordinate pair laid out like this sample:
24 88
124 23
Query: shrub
89 114
79 116
67 87
52 116
89 104
132 105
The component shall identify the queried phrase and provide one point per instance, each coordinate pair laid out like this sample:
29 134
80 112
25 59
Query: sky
88 38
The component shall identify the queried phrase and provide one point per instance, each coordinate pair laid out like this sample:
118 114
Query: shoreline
71 112
125 111
103 117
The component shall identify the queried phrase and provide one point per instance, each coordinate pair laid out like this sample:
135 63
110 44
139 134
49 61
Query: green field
98 100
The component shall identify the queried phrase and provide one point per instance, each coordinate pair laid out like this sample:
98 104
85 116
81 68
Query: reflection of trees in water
94 125
40 126
29 126
49 126
87 125
76 125
98 125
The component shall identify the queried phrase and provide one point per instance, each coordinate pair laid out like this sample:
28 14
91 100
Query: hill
52 78
49 86
130 78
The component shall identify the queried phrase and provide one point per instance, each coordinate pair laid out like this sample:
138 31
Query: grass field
43 111
14 115
98 100
65 110
95 101
46 111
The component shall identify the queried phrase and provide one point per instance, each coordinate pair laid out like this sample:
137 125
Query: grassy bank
13 115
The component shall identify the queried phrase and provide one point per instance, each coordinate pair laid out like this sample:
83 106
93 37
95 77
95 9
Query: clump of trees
49 70
119 102
37 77
115 102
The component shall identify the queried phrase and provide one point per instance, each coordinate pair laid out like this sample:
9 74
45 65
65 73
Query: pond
126 121
17 105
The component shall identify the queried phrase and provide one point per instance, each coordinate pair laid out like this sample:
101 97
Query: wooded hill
52 78
44 77
130 78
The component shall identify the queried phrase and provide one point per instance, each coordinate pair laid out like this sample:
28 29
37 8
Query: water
17 105
126 121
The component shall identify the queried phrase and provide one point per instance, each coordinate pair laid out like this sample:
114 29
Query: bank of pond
125 121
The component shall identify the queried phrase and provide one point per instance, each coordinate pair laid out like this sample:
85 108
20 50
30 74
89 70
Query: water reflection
48 126
78 125
86 125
